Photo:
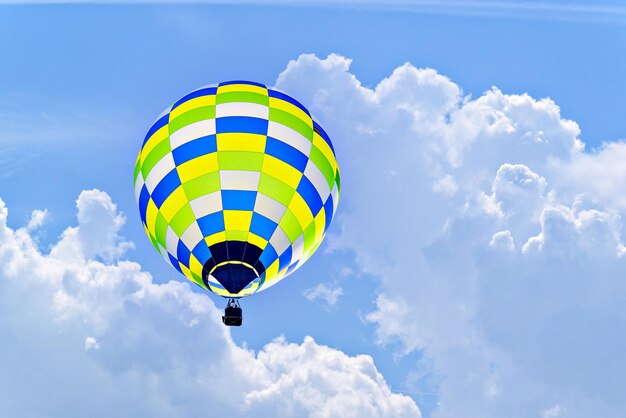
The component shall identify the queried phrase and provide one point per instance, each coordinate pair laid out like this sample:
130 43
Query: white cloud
554 412
91 344
505 332
328 294
502 240
92 337
96 235
600 175
37 219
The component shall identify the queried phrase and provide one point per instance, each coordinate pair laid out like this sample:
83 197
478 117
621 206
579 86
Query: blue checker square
183 253
269 255
238 199
156 126
285 258
310 195
242 124
328 210
211 224
193 149
262 226
286 153
144 197
165 187
288 99
174 262
201 252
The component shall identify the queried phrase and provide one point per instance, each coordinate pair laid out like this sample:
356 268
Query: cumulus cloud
93 335
96 236
496 237
37 219
91 344
328 294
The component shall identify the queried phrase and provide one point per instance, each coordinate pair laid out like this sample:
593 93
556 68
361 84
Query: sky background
475 266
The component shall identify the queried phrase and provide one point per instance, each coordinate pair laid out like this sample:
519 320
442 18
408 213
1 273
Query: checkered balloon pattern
236 185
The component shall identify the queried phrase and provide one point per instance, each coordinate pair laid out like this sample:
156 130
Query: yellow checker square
194 103
290 108
153 141
320 224
237 236
276 278
237 220
281 170
271 272
151 215
241 142
186 271
242 87
301 210
253 286
215 238
198 166
195 265
175 201
254 239
218 291
319 142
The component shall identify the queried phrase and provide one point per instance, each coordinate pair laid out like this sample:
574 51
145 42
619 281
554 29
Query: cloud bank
496 237
85 333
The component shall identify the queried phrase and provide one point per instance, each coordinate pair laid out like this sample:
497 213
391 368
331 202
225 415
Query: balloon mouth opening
234 275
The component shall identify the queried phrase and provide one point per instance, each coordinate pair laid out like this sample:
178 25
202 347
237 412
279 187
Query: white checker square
239 180
317 178
139 185
192 236
253 110
297 248
335 194
171 241
269 207
194 131
207 204
289 136
280 241
159 171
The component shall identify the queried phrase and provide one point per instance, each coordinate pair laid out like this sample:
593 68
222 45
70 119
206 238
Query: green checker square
159 151
276 189
236 236
191 116
317 245
292 121
153 240
322 163
289 223
137 169
202 185
240 160
198 280
309 236
338 180
181 221
242 97
161 229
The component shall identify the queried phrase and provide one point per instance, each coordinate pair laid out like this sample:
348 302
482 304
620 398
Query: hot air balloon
236 185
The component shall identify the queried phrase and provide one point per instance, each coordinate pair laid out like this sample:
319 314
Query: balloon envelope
236 185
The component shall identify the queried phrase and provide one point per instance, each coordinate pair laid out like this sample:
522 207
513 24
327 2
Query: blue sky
473 229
